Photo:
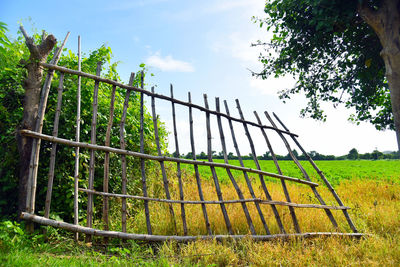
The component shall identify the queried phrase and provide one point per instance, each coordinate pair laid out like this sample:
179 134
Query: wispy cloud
168 63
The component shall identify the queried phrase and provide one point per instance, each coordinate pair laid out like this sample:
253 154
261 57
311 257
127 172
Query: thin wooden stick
263 185
228 171
164 174
246 177
142 163
163 238
178 167
162 158
140 90
285 190
303 171
92 152
321 174
34 161
77 138
214 174
196 168
107 161
123 157
54 148
244 200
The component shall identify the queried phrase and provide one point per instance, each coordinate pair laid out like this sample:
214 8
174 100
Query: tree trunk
386 23
32 86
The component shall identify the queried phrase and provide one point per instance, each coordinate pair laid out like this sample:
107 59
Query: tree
339 51
353 154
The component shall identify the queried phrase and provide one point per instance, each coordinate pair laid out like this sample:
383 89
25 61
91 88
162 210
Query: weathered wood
284 187
33 166
163 238
140 90
163 158
178 166
261 177
228 171
77 139
213 172
107 161
244 200
196 168
53 148
89 216
123 157
142 162
246 177
163 172
321 174
303 171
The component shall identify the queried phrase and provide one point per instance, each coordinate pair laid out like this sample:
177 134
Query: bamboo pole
263 185
34 161
163 238
214 174
228 171
246 177
92 152
178 166
284 187
77 139
123 157
303 171
244 200
321 174
107 161
142 162
141 90
53 148
163 172
196 168
162 158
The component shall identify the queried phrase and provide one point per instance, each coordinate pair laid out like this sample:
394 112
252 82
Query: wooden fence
105 148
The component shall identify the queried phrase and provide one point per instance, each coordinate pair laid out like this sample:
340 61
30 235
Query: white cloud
271 86
168 63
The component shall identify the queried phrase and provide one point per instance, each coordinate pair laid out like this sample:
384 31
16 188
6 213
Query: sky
199 46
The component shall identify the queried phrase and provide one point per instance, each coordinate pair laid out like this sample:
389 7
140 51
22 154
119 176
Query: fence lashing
284 187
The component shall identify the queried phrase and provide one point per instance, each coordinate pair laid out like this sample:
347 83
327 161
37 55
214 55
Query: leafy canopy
333 55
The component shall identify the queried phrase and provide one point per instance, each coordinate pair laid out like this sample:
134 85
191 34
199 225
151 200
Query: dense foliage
11 96
332 53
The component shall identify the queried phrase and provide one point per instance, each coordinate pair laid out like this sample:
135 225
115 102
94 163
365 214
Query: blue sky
198 46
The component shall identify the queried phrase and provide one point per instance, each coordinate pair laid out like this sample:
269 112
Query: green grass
335 171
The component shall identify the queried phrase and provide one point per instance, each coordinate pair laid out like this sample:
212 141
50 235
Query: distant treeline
352 155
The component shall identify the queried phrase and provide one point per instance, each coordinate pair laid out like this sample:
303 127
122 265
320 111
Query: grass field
370 188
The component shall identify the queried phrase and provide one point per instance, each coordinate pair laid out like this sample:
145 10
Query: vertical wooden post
246 177
303 171
142 162
321 174
107 162
77 138
214 174
233 181
164 174
178 166
196 169
123 157
53 148
92 153
263 185
285 190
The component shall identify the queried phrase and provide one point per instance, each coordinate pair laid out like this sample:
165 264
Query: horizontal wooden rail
259 200
162 238
173 100
159 158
